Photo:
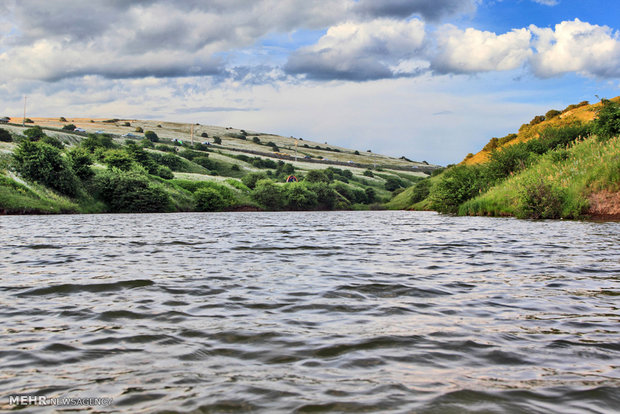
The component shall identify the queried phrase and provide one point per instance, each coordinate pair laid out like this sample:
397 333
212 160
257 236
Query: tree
151 136
268 194
69 127
5 136
392 183
81 162
40 162
217 140
607 124
209 199
35 133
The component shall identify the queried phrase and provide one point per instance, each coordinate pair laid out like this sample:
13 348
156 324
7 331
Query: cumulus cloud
360 51
576 46
473 50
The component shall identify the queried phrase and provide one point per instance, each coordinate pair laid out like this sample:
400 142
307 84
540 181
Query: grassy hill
52 165
565 164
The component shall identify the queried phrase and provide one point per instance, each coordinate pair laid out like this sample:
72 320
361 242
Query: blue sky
428 79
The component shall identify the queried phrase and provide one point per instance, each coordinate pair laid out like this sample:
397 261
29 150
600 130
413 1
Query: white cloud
360 51
576 46
473 50
548 2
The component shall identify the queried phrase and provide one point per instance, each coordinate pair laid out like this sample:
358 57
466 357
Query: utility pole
192 134
24 118
296 141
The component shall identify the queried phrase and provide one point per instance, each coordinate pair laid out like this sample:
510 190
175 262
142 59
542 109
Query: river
393 312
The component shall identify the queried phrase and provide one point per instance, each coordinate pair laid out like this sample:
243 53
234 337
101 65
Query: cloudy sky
428 79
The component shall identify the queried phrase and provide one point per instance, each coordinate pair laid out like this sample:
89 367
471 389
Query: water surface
311 312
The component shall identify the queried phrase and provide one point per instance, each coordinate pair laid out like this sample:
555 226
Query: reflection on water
311 312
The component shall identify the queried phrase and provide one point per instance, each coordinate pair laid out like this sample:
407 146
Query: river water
310 312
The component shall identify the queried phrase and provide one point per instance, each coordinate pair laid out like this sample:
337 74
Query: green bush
151 136
54 142
81 161
325 195
607 123
457 185
118 158
204 161
552 113
368 173
5 136
69 127
204 135
209 199
92 142
250 180
129 192
392 183
316 176
420 191
165 172
165 148
139 129
539 200
35 133
217 140
507 160
268 194
298 197
371 195
40 162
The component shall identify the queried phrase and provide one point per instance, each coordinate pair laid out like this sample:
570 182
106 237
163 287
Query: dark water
311 312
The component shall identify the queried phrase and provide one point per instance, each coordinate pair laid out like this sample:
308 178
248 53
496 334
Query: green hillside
92 166
564 167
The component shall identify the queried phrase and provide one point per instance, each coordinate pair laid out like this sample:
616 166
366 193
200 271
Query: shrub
298 197
457 185
537 120
54 142
420 191
164 172
552 113
69 127
268 194
491 145
507 161
250 180
209 199
40 162
93 142
217 140
190 155
35 133
118 158
392 183
5 136
204 135
126 124
316 176
28 121
62 119
325 195
81 161
539 200
256 140
130 192
607 123
368 173
371 195
204 161
165 148
145 143
139 129
151 136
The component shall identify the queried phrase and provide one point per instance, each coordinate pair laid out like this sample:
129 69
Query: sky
431 80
